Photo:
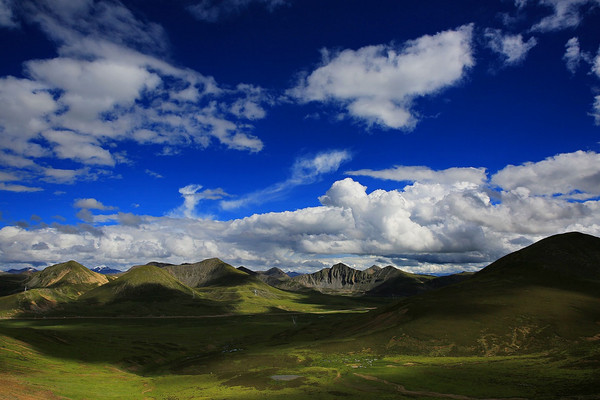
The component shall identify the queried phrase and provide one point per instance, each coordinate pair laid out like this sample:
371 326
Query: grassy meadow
235 357
526 327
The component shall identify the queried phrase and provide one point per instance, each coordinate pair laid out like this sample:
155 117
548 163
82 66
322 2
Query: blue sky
434 136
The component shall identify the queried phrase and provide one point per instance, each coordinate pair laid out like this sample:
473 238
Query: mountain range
341 279
543 295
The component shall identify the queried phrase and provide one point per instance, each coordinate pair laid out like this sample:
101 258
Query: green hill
146 283
145 290
205 273
541 297
47 291
69 274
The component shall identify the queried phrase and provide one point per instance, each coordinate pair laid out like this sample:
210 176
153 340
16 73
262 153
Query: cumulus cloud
571 175
215 10
566 14
305 170
378 84
108 84
436 222
512 48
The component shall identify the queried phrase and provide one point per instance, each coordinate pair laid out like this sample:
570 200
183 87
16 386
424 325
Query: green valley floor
264 356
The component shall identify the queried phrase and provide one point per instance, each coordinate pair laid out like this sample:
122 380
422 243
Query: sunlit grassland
234 358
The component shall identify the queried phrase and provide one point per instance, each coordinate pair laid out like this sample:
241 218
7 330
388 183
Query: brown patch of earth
12 389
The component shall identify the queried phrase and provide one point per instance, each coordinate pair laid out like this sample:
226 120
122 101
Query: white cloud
573 55
92 87
596 66
520 3
65 20
66 176
305 170
215 10
425 174
7 17
596 111
19 188
7 176
99 91
91 204
569 175
566 14
154 174
83 148
378 84
24 108
192 196
511 47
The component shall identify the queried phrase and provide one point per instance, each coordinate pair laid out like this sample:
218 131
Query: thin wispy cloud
305 170
565 14
216 10
512 48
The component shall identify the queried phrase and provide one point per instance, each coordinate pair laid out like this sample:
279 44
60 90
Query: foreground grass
235 357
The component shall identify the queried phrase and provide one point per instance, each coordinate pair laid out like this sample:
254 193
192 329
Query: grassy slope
142 291
70 273
251 295
49 290
529 301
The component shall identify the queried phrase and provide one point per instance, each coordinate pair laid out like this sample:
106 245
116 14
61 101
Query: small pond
285 377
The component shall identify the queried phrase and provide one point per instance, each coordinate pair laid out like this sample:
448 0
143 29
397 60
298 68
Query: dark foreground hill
540 297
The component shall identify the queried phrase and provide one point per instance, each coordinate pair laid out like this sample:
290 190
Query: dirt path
407 392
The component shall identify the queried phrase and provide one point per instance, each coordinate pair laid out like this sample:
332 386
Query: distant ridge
274 277
106 270
27 270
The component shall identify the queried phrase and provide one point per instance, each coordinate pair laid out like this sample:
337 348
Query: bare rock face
342 279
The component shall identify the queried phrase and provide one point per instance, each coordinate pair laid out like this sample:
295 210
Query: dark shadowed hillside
47 290
539 297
